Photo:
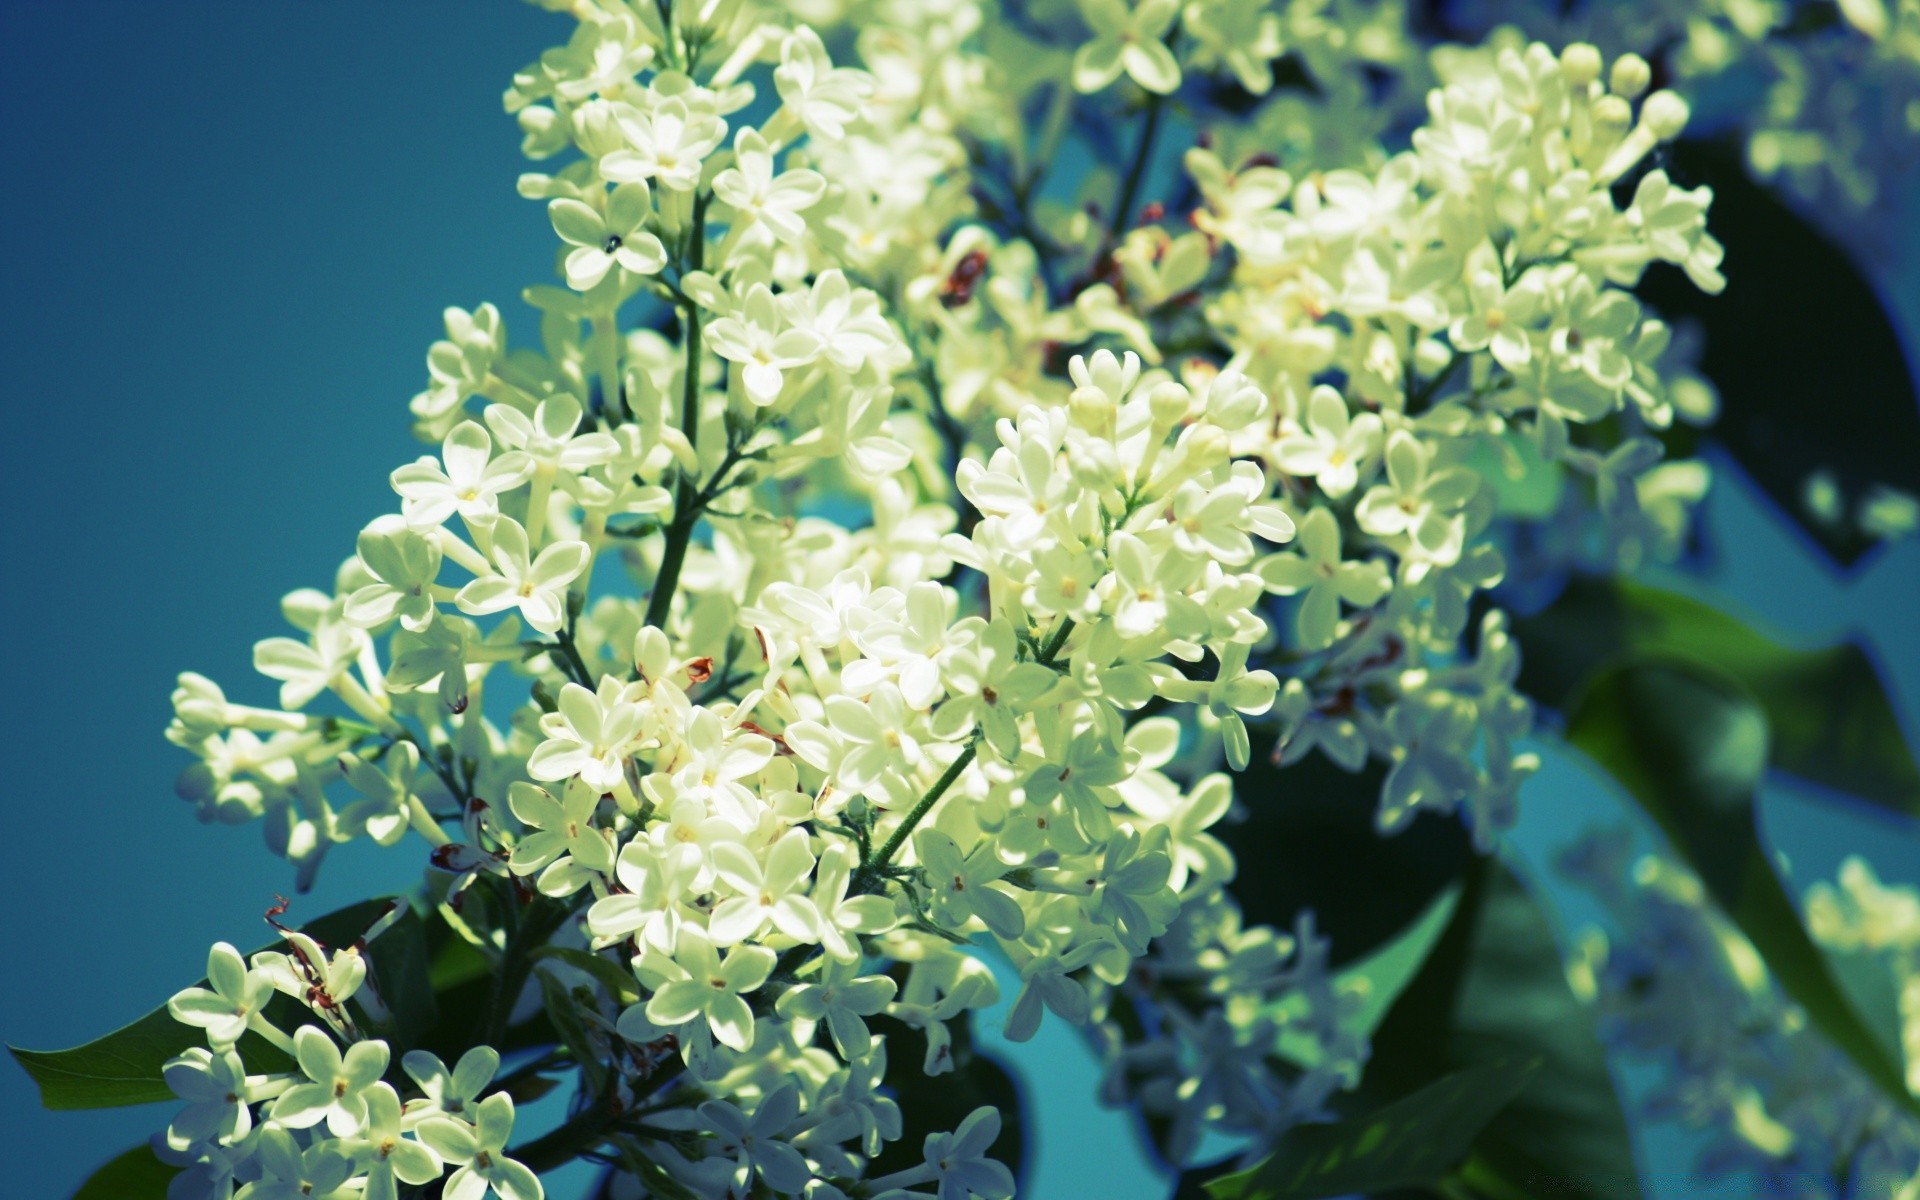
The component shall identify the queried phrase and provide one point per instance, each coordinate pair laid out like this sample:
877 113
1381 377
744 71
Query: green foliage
1827 710
134 1175
1809 384
618 981
123 1067
1691 746
1386 973
564 1014
1494 989
1308 835
1413 1140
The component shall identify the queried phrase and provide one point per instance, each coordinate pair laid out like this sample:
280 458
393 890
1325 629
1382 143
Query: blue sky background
229 233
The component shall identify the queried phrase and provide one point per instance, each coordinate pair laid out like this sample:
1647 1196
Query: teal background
229 232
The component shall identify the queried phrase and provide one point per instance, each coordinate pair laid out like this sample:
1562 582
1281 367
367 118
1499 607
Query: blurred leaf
1524 485
1690 746
1809 365
1868 981
134 1175
618 980
1386 973
1413 1140
1828 710
1305 835
938 1103
1495 988
566 1022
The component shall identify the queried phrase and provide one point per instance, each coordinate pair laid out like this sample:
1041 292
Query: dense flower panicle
1090 512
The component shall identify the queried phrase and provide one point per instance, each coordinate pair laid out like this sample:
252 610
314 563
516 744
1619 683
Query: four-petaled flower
602 241
536 586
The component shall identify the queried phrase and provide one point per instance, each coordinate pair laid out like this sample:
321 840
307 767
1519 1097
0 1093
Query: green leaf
1413 1140
1306 833
124 1067
1691 746
1869 983
402 976
1809 365
1828 710
1385 973
134 1175
618 980
560 1009
1495 987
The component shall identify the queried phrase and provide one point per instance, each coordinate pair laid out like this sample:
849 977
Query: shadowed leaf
1690 747
1827 709
134 1175
1495 987
1808 363
1306 833
124 1067
1413 1140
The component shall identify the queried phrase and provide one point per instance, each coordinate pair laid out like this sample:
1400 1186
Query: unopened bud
1612 117
1631 75
1169 403
1665 114
1580 64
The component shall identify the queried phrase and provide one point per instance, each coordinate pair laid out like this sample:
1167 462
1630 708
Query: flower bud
1169 403
1665 114
1580 64
1612 117
594 129
1631 75
1207 444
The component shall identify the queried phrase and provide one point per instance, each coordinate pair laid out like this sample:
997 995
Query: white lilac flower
535 585
601 241
233 998
480 1149
336 1087
697 983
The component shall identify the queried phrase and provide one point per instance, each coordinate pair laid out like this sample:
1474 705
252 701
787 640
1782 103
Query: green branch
1137 169
686 509
872 872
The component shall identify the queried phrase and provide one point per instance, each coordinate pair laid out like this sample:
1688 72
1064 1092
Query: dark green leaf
1690 746
455 960
1494 988
1413 1140
124 1067
1827 709
938 1103
1306 835
1868 980
566 1022
1808 363
1384 974
618 980
135 1175
402 977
